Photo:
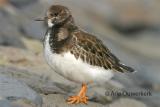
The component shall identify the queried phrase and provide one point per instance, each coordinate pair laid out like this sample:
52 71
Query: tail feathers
123 68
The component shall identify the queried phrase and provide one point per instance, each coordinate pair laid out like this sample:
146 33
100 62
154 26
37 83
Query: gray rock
124 102
5 103
34 29
9 30
59 100
40 83
22 3
12 89
31 28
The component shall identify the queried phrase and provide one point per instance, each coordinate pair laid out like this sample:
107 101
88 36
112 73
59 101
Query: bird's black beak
40 19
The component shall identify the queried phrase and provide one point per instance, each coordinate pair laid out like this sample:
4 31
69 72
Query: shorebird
75 54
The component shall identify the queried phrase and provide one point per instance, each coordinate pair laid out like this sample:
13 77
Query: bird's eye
55 14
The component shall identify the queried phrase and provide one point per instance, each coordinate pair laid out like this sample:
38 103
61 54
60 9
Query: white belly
76 70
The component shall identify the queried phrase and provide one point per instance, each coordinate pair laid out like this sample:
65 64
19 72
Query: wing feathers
95 53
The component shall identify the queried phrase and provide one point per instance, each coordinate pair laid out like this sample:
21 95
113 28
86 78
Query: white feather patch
50 24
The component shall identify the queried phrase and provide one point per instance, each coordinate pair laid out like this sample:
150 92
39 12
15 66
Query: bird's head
56 15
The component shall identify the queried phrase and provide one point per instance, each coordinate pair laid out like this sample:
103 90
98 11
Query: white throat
50 24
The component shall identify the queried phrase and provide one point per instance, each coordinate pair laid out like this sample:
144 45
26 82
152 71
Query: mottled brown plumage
66 36
91 50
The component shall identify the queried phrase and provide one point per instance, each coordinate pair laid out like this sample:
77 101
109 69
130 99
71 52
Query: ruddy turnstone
76 54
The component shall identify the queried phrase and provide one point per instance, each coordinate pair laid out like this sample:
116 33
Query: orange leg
80 98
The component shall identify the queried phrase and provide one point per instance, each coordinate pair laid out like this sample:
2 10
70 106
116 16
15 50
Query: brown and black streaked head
57 14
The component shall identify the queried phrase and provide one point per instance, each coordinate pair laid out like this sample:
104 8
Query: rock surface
128 102
9 34
12 90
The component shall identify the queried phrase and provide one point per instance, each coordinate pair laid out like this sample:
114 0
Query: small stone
12 90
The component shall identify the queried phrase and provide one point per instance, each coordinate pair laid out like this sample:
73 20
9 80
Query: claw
80 98
77 100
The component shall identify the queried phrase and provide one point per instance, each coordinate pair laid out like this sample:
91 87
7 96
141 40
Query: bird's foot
80 98
77 100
